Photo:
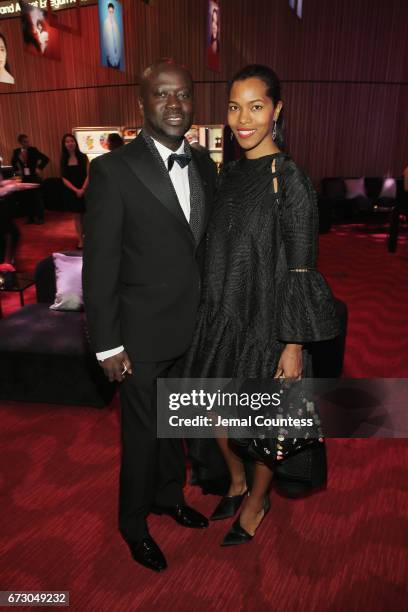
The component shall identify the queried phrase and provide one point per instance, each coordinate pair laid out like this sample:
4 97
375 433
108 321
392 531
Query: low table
21 283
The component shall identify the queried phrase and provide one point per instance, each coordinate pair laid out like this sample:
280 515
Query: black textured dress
75 175
261 289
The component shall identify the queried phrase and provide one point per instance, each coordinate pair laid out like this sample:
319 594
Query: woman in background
74 173
5 74
262 298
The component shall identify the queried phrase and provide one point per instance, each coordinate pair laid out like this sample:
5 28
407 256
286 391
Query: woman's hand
290 363
80 193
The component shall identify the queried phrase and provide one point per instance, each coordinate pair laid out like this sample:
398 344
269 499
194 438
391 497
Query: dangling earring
274 131
231 135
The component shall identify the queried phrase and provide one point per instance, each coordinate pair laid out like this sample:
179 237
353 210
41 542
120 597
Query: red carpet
373 283
343 549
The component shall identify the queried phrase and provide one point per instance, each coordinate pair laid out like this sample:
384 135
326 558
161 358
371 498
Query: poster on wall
40 38
111 34
5 70
213 36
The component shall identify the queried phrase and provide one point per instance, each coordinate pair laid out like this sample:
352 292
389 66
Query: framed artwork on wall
39 35
111 34
93 141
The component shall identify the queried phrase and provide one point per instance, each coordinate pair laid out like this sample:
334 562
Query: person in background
28 161
74 174
9 232
115 141
5 72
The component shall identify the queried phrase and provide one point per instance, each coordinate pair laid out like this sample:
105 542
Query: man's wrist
101 356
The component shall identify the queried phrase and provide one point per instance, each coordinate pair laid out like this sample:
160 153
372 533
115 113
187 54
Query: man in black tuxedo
27 161
147 210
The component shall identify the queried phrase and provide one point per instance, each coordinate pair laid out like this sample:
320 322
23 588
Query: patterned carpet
343 549
372 282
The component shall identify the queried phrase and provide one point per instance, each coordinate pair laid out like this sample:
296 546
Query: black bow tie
182 159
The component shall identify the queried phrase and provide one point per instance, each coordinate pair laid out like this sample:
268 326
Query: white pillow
355 188
389 189
68 276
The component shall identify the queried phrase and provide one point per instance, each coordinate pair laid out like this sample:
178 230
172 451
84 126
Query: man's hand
117 367
290 362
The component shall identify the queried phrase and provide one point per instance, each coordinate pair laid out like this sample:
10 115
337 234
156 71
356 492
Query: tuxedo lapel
152 172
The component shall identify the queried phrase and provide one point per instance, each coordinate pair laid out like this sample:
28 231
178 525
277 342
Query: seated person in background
74 173
115 141
27 161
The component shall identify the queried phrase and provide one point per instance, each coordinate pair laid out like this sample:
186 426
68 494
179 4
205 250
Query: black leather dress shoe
147 553
227 507
237 534
183 515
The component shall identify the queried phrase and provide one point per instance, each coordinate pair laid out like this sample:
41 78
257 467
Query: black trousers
152 470
33 202
9 232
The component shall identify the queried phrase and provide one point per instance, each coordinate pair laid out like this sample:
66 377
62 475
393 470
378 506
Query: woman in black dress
74 173
263 299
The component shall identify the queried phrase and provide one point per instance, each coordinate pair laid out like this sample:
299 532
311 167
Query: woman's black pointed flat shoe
237 534
227 507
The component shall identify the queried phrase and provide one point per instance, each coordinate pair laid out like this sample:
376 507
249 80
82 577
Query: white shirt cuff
105 354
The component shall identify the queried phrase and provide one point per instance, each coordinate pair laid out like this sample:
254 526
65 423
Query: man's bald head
166 101
164 64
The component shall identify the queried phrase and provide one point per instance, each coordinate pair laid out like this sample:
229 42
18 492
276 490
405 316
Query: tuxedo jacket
33 157
141 273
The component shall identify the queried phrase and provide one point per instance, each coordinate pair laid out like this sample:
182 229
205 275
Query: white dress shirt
179 178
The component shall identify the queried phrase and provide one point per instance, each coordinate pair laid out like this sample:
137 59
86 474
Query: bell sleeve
305 305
